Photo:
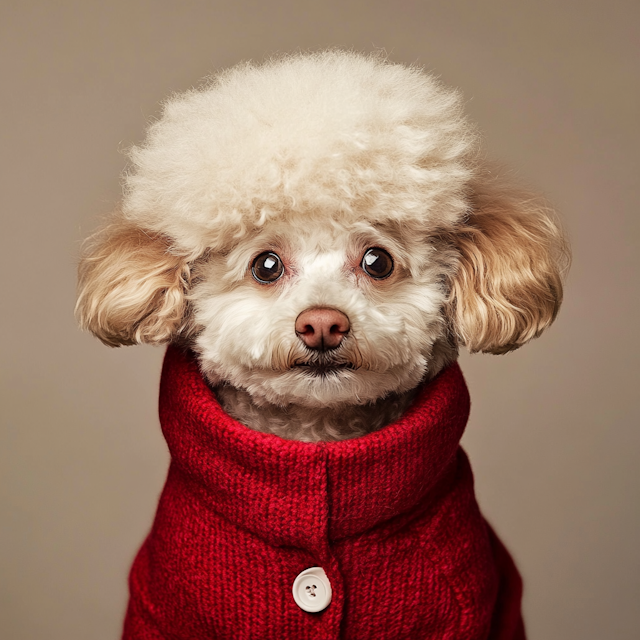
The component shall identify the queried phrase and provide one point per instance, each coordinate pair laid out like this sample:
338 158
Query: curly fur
332 133
317 158
131 286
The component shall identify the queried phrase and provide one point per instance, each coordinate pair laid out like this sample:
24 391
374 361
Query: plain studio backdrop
554 435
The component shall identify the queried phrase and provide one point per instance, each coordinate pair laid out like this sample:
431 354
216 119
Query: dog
323 232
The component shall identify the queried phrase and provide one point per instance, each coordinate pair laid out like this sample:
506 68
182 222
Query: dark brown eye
267 267
377 263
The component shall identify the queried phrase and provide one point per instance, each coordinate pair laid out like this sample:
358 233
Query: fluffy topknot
336 134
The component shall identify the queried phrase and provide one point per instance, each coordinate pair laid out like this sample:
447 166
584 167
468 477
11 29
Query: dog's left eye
377 263
267 267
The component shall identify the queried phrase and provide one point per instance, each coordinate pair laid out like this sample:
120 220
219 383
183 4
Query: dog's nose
322 328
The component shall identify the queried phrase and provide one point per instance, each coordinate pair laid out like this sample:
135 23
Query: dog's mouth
324 369
326 363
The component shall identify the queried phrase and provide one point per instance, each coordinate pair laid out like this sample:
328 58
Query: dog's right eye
267 267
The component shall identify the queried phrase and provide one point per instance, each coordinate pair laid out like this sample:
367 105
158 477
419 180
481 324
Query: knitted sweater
390 517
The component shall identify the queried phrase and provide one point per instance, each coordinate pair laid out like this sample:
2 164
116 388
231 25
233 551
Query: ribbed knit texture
391 517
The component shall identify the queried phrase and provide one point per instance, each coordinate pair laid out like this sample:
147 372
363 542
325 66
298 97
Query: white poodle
323 232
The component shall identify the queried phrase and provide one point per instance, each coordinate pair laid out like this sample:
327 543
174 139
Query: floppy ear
131 287
512 256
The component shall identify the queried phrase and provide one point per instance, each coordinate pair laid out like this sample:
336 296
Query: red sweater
391 517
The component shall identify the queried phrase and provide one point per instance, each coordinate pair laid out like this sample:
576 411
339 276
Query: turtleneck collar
301 494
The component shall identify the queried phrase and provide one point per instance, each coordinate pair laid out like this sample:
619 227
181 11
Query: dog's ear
131 287
512 257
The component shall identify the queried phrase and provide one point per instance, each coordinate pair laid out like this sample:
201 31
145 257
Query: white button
312 590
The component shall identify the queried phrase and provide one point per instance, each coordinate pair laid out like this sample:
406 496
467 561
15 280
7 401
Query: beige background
554 435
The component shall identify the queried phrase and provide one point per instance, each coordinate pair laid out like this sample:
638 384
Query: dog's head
321 231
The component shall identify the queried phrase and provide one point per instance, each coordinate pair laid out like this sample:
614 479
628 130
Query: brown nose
322 328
